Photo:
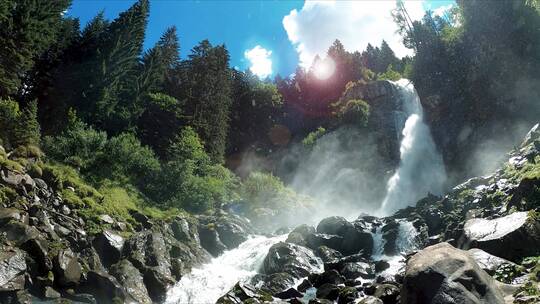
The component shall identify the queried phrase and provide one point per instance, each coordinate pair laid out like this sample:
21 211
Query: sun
325 68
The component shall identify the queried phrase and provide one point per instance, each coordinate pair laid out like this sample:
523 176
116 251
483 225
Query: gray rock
67 268
12 269
105 218
131 279
210 240
9 214
50 293
371 300
443 274
388 293
293 259
104 287
512 237
488 262
108 245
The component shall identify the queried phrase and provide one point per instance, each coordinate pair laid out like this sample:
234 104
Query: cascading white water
421 169
211 281
405 243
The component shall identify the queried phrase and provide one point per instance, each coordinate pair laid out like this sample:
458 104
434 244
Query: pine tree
203 82
27 131
27 28
158 61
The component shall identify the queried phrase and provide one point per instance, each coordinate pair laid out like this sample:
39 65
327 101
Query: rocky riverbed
480 243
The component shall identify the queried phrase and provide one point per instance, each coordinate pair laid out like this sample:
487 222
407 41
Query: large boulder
131 279
293 259
12 269
109 244
488 262
443 274
105 288
512 237
67 268
351 238
210 240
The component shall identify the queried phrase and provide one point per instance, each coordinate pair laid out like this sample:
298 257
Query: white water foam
211 281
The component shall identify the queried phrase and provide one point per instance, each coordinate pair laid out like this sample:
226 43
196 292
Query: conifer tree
27 131
27 28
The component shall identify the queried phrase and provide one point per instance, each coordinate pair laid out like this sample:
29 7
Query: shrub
9 115
27 130
390 74
189 180
265 190
312 137
355 112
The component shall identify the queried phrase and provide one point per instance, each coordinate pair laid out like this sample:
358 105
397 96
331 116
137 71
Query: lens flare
325 68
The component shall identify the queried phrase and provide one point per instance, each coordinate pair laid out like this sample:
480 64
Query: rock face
291 258
443 274
12 269
511 237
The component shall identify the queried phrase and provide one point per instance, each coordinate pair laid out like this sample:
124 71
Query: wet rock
210 240
50 293
347 295
335 225
357 269
12 269
442 273
381 266
316 240
356 240
290 258
277 282
131 279
37 248
299 235
388 293
232 231
104 287
390 232
512 237
108 244
289 294
184 231
67 268
331 276
328 255
371 300
488 262
244 293
328 291
305 285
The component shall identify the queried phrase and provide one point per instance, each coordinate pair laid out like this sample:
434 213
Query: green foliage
27 131
189 180
312 137
390 74
203 84
27 28
355 112
9 114
256 108
265 190
7 194
160 122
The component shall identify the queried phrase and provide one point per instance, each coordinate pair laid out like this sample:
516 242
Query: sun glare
325 68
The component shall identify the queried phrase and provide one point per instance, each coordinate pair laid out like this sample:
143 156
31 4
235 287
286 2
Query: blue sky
244 25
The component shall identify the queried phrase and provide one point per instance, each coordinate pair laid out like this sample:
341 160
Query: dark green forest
132 128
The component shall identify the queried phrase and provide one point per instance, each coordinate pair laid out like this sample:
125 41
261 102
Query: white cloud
261 64
355 23
442 10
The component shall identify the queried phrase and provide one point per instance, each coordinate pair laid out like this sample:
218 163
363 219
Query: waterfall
421 169
211 281
405 242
